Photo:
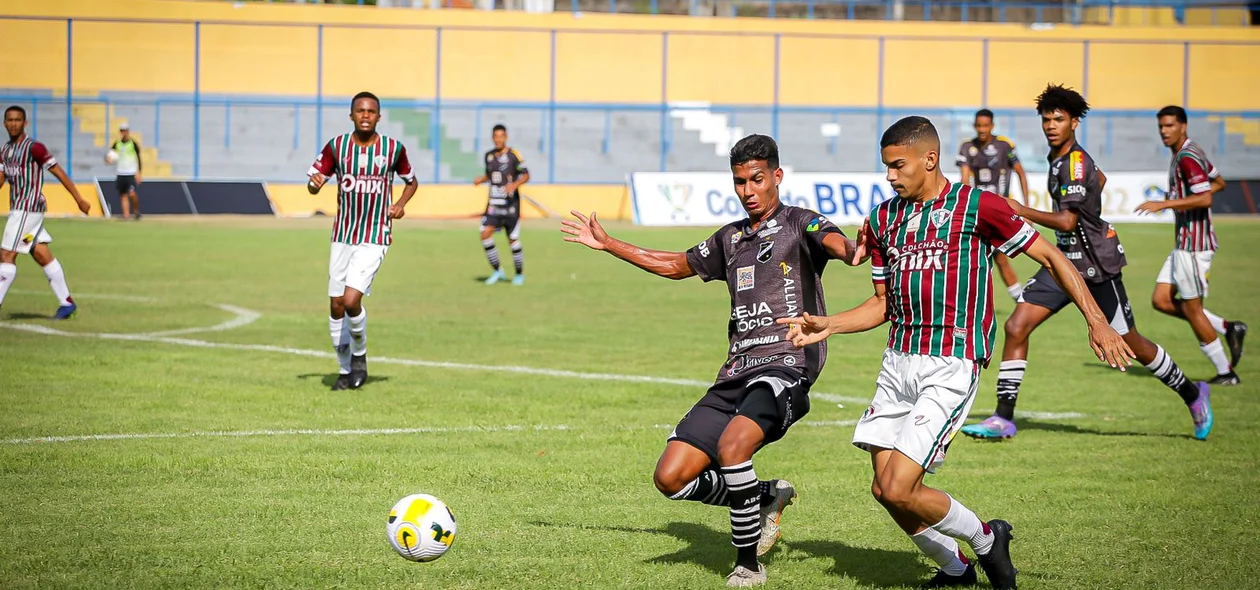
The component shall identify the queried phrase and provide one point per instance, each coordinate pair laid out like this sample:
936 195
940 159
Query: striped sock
1170 374
744 495
709 488
492 252
1010 376
518 257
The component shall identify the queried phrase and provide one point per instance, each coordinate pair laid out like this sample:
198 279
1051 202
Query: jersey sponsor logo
789 295
749 342
940 217
984 175
1076 189
789 361
972 151
703 247
764 251
736 236
990 150
1077 166
769 231
363 184
786 269
743 363
815 224
960 333
749 317
28 238
926 255
746 278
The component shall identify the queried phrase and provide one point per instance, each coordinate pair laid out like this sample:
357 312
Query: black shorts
125 184
1109 295
702 426
509 223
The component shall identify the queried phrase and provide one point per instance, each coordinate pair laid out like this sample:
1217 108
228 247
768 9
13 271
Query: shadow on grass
711 549
23 315
1072 429
329 378
1136 370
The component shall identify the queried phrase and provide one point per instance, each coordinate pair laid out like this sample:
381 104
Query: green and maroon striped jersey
25 161
935 261
365 178
1191 174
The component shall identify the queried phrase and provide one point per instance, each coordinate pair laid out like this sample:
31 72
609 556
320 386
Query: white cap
124 127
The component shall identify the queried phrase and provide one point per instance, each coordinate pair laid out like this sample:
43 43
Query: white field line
353 432
843 399
131 298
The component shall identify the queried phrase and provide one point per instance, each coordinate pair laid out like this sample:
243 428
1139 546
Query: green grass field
241 480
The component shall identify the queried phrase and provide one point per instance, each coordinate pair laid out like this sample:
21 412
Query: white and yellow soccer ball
111 157
421 528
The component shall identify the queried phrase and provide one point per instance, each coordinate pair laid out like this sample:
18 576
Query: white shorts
353 266
920 403
1188 271
23 230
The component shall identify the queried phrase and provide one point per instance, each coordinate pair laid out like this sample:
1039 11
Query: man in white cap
125 153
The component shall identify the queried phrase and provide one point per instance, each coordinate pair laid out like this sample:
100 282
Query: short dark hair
365 94
984 113
1057 97
755 147
1172 111
499 127
16 108
911 130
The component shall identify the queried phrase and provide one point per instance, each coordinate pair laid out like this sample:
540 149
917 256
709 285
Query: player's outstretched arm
1107 344
588 232
1064 220
1023 181
851 252
810 329
56 170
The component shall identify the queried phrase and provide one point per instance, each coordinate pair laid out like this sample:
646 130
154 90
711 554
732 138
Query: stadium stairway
100 121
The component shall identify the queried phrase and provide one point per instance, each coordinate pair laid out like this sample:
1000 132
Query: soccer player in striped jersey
932 252
987 162
24 161
772 263
1075 186
506 172
365 163
1183 281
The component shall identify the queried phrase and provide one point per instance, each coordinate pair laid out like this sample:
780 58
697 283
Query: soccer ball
111 156
421 528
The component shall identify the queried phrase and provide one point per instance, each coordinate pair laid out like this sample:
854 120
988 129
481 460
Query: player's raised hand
807 329
396 212
586 231
1110 347
861 248
1149 207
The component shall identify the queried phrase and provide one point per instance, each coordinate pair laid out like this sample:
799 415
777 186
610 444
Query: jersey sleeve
41 155
520 163
998 225
879 254
1074 179
816 229
1011 157
325 162
1193 174
402 165
708 258
961 159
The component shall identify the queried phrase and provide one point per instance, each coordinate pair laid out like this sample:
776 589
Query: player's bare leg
135 204
1013 286
125 201
898 487
43 256
8 271
1164 299
492 254
740 440
1018 328
356 319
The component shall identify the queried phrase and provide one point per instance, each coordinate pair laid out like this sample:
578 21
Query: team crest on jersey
746 278
764 250
379 161
990 150
736 236
972 151
940 217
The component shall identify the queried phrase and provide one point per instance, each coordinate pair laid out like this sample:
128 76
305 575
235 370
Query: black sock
709 488
744 493
1170 374
767 491
1010 377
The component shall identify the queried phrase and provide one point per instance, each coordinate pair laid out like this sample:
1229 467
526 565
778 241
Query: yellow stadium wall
618 58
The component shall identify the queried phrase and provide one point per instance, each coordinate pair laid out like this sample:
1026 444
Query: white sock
941 550
1216 353
8 272
962 523
1218 322
57 280
337 330
358 333
1015 290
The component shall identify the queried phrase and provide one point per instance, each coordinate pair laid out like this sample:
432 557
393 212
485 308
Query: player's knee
669 481
877 491
336 307
895 495
1016 328
1162 302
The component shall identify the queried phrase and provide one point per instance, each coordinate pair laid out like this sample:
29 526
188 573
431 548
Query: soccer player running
1090 242
931 250
365 163
986 162
506 172
128 169
1182 283
772 263
24 161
